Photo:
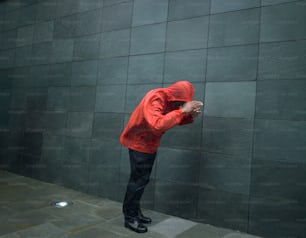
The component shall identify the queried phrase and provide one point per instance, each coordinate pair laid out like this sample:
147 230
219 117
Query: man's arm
153 112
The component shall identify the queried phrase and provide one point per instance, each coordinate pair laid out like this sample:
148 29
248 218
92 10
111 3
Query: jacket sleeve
187 119
153 113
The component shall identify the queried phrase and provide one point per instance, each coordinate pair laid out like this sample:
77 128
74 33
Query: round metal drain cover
61 204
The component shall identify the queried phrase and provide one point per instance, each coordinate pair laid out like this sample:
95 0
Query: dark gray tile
115 43
224 209
12 160
272 2
149 12
58 98
46 10
113 93
18 99
135 93
113 71
108 126
234 28
184 136
76 151
14 165
43 32
230 136
206 207
146 69
280 140
29 165
199 92
224 6
11 20
16 120
2 15
278 180
178 199
66 27
55 122
187 34
85 5
66 7
114 2
62 50
84 73
23 3
39 76
53 147
98 177
89 22
5 96
54 172
110 20
23 56
1 38
59 74
37 99
277 217
189 65
283 22
86 47
76 176
233 99
225 172
21 77
16 143
27 15
148 39
4 135
8 39
82 99
24 35
6 78
104 169
178 165
35 121
179 9
284 60
232 210
105 153
281 99
238 63
79 124
33 143
7 59
41 53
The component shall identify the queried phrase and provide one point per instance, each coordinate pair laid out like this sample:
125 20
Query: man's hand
192 107
195 113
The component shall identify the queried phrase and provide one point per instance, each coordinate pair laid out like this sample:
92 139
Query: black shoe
143 219
134 225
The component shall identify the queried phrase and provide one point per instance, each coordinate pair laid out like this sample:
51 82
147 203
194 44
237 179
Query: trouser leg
141 168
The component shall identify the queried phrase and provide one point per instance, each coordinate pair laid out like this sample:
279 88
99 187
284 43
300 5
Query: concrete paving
25 211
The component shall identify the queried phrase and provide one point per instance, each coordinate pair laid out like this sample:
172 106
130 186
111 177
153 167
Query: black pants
141 168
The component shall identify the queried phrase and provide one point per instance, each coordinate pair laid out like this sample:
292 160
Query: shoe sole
145 222
134 229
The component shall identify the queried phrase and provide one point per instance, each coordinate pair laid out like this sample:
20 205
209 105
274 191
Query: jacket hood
180 91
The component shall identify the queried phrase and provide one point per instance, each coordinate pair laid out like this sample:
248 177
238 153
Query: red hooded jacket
154 115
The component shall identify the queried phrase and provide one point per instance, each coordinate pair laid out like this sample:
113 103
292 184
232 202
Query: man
160 110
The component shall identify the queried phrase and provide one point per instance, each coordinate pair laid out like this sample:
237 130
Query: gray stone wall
72 71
